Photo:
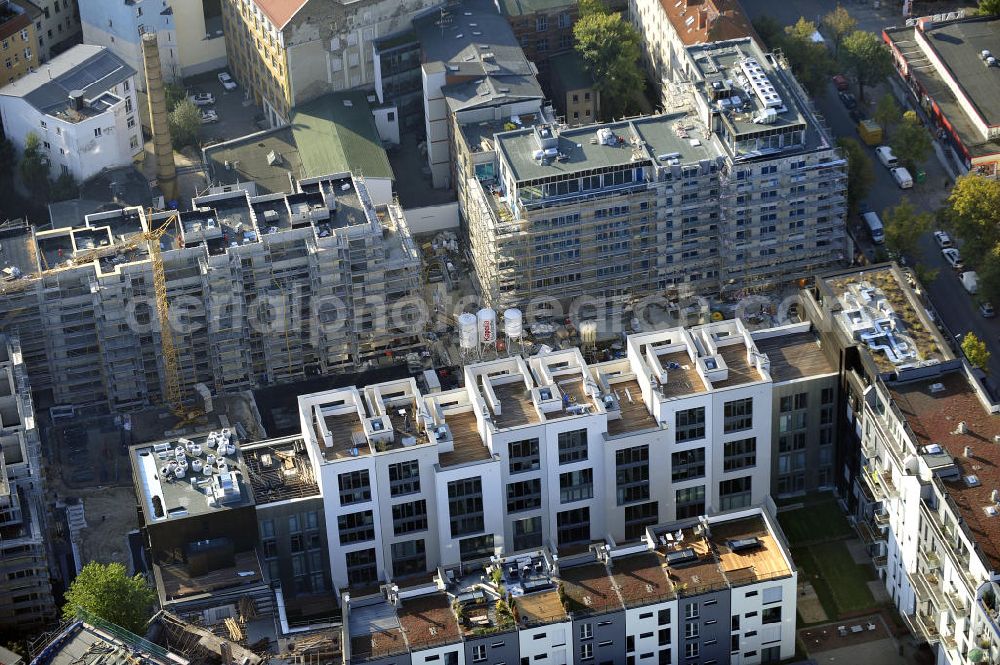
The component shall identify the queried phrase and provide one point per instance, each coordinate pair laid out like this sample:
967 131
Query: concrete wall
432 218
197 51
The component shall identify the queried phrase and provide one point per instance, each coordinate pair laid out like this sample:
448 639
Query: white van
885 156
875 227
902 177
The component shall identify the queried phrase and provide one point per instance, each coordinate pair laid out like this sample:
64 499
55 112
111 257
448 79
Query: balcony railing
880 560
881 518
957 602
880 482
931 559
927 587
927 627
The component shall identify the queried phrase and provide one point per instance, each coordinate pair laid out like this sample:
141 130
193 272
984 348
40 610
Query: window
130 122
738 415
573 526
97 132
134 142
361 567
409 517
541 23
690 424
128 105
632 474
525 495
692 630
586 631
465 506
691 611
663 637
477 547
637 518
826 396
572 446
687 464
771 595
586 651
740 454
576 485
690 502
771 615
356 527
404 478
523 456
663 617
527 533
408 558
630 643
692 650
354 487
478 653
734 493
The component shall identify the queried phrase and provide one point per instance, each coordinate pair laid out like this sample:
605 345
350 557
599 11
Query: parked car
943 239
840 81
202 99
848 100
986 309
902 177
884 154
227 81
209 116
954 259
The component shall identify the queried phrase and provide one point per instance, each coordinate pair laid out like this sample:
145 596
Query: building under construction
258 290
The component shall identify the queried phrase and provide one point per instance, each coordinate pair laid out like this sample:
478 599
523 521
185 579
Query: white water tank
468 335
487 318
196 466
180 471
513 323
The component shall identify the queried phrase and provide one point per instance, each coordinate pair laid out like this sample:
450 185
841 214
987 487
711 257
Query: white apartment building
57 26
544 452
189 34
82 106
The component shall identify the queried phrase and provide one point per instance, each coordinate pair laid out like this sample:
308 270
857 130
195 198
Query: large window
408 558
465 506
404 478
361 567
734 493
687 464
527 533
576 485
573 526
409 517
354 487
525 495
690 424
356 527
632 474
572 446
523 455
637 518
740 454
738 415
690 502
477 547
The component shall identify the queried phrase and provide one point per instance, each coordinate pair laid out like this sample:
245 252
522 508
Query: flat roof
428 620
247 159
933 417
632 409
522 7
375 631
279 470
104 644
641 579
795 356
468 445
958 44
589 589
178 582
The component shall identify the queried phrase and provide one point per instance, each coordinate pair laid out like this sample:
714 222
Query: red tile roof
280 12
934 418
714 20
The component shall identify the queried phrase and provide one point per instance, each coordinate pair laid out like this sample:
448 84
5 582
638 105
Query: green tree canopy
185 120
107 591
989 7
810 61
839 23
174 95
860 172
769 30
975 350
592 7
33 170
911 144
903 228
973 212
609 46
887 112
868 59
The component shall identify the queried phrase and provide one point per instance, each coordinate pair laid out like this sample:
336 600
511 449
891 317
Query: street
956 309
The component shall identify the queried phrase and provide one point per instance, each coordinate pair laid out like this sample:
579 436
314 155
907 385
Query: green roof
336 133
571 71
521 7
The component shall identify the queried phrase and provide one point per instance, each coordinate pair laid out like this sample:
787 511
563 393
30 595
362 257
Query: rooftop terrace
427 621
588 589
641 579
279 470
795 356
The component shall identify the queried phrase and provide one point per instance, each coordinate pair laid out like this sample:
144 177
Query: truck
875 227
870 132
970 280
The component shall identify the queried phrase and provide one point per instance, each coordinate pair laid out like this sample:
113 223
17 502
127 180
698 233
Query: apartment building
26 600
668 27
286 53
949 65
722 590
542 28
737 187
188 32
276 287
18 39
83 109
574 94
58 28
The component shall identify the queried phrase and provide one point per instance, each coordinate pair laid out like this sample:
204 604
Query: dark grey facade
293 546
703 627
499 649
804 435
607 638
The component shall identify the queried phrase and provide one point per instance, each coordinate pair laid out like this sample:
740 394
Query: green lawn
818 521
840 583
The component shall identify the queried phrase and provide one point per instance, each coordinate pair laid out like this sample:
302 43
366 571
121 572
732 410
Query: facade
668 27
286 53
922 487
288 286
26 600
85 130
610 604
573 92
950 69
58 28
18 39
542 28
189 34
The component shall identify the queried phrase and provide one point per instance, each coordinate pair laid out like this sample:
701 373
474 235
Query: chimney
967 451
76 100
166 172
962 428
702 19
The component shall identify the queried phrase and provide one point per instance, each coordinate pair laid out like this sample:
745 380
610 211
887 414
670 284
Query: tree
839 23
911 144
610 48
903 228
174 95
975 350
810 61
860 172
769 30
592 7
33 170
185 120
989 7
887 112
973 211
63 188
106 590
868 58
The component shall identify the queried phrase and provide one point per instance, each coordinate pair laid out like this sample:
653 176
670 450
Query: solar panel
743 544
682 557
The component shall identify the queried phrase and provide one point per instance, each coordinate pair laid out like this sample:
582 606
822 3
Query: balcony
881 518
948 642
880 560
927 628
930 559
927 587
956 602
